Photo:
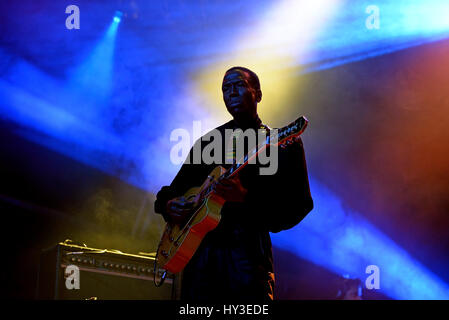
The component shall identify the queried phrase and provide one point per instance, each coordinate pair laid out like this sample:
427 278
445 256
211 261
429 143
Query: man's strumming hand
179 209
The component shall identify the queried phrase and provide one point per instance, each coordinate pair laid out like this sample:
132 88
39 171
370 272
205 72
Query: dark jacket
235 259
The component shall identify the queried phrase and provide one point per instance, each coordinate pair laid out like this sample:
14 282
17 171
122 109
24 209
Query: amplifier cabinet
68 271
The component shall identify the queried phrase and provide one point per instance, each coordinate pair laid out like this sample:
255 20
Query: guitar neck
239 165
278 136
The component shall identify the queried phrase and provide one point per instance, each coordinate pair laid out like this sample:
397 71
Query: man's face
239 96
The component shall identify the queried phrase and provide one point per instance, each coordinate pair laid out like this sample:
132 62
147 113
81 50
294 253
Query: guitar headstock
291 131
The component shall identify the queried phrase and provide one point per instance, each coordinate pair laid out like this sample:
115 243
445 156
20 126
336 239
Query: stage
94 98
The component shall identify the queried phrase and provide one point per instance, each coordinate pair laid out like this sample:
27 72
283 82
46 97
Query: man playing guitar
234 260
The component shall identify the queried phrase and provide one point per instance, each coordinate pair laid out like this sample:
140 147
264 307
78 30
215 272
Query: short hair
253 78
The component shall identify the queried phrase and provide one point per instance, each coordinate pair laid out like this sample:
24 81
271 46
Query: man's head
241 92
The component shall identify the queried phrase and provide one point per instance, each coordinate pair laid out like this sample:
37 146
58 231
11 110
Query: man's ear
258 95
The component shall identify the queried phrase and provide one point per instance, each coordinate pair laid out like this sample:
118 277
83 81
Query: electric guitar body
179 243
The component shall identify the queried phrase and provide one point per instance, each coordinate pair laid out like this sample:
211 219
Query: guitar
179 242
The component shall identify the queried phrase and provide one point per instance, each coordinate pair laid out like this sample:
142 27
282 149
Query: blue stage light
118 16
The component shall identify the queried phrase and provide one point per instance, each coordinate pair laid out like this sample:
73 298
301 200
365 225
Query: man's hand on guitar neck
231 189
